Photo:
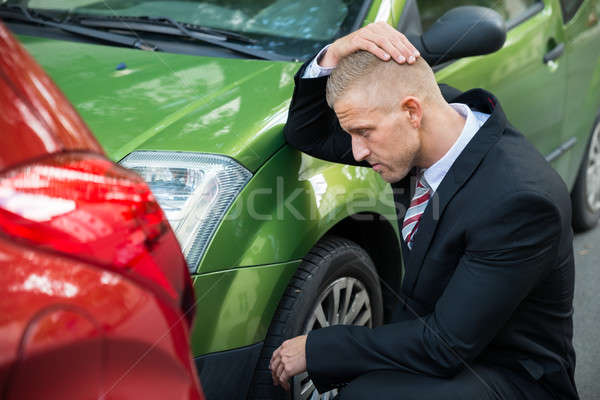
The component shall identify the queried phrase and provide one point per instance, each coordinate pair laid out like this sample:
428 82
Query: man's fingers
398 39
274 376
276 357
280 371
288 360
374 49
411 50
373 40
276 352
384 41
283 380
378 38
397 49
404 48
387 30
274 365
407 49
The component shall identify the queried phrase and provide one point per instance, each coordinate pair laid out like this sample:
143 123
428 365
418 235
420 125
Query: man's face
385 138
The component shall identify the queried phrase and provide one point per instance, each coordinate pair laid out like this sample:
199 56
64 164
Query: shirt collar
435 174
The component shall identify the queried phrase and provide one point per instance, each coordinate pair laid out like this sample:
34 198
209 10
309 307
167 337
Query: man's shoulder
513 165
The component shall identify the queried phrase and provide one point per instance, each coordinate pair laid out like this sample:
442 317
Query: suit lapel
462 169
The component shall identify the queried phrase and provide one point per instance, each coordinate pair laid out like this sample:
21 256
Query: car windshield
287 27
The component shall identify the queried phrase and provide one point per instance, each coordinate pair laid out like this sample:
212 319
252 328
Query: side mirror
461 32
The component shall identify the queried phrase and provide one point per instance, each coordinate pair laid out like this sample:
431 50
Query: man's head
384 106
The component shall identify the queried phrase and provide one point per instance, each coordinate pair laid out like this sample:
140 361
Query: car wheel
586 192
335 284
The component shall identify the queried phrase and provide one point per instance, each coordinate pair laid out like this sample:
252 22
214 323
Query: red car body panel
71 330
34 107
93 319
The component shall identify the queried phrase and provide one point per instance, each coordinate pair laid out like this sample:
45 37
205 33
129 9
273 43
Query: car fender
289 204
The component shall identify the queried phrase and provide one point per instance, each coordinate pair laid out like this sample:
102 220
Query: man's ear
412 106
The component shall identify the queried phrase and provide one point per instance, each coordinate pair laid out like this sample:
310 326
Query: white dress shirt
314 70
435 174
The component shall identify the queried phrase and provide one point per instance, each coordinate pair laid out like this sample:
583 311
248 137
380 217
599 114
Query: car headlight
195 191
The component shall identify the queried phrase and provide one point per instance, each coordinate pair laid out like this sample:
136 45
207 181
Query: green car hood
139 100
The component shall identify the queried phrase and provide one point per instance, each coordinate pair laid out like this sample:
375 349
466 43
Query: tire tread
262 386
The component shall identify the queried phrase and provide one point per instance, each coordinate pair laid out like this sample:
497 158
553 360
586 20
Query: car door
582 31
528 74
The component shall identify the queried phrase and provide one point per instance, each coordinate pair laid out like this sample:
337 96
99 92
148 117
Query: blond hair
364 71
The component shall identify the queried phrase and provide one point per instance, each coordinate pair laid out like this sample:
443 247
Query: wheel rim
592 177
345 301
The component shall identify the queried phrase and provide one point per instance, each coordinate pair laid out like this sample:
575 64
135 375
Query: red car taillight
84 205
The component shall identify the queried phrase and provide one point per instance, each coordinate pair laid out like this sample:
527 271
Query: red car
95 297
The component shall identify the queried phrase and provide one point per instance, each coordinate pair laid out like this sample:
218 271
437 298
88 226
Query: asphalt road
587 313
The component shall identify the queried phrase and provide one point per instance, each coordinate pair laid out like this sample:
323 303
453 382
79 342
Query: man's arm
485 289
312 127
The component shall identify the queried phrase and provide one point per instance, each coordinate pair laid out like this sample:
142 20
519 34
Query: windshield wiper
168 26
163 25
21 13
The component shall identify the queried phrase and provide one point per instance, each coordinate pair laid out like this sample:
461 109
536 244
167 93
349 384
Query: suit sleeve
312 127
508 252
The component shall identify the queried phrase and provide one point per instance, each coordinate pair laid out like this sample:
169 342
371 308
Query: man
486 303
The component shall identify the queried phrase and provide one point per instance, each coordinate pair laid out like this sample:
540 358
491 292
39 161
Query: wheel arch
376 235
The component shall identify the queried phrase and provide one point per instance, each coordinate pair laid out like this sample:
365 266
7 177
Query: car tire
585 196
333 264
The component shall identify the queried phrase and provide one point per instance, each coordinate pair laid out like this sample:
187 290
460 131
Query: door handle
554 53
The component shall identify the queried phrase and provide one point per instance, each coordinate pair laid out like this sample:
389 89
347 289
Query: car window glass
511 10
287 27
569 8
307 19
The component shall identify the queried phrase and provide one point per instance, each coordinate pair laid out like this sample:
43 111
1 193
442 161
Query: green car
193 95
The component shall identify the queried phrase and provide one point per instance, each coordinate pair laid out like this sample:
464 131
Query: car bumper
234 307
228 374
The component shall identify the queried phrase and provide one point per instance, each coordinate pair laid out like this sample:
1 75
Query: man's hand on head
378 38
288 360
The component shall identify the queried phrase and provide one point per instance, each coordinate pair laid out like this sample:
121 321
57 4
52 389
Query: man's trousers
474 383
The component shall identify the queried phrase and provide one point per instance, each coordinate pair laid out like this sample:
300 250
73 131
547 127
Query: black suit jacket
491 274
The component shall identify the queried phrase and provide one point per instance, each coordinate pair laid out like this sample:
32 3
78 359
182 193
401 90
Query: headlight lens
195 191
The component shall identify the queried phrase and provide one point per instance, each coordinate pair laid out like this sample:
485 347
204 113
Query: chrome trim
562 149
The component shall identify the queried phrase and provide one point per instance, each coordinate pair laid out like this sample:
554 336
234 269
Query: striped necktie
415 211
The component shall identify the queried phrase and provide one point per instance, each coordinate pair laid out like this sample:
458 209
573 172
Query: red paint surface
71 330
92 295
34 107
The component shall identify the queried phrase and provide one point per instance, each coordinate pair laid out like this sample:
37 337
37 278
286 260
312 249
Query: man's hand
378 38
288 360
